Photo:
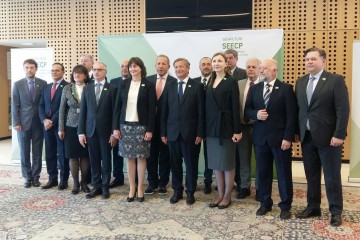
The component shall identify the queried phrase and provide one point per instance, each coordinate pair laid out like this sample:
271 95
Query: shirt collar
255 82
102 82
185 80
318 75
164 77
29 79
271 82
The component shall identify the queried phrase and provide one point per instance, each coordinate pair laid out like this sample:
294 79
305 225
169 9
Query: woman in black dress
69 112
134 122
222 128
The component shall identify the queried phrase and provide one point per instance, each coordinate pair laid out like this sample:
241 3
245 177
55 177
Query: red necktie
246 118
53 90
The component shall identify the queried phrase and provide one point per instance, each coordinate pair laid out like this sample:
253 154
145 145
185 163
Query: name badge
78 110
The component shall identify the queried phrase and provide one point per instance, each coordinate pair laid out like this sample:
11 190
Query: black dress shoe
262 211
335 220
190 199
207 188
116 183
308 212
176 197
150 190
243 193
63 186
36 183
84 187
93 193
224 206
285 214
162 191
49 185
105 193
213 205
27 183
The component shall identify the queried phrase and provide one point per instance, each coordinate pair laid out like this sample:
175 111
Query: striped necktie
267 95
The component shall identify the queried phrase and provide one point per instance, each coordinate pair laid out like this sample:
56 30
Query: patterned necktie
310 89
180 89
267 95
97 92
246 118
204 82
53 90
32 90
159 87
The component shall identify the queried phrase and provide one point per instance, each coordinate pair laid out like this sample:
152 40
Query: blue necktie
180 90
267 95
32 90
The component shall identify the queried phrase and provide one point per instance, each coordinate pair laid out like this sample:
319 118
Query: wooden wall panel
328 24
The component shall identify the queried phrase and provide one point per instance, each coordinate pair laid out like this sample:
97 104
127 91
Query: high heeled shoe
224 206
141 199
131 199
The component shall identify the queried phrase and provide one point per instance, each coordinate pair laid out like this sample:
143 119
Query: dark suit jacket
97 117
153 79
24 110
329 108
116 81
146 104
282 108
46 104
239 74
186 117
223 109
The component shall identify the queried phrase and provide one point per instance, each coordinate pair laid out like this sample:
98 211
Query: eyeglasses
98 69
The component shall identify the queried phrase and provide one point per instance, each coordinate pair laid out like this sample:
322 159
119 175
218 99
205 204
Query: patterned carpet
52 214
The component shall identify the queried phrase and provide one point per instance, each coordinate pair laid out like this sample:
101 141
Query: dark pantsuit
159 159
118 164
32 138
315 156
100 160
264 162
180 149
55 156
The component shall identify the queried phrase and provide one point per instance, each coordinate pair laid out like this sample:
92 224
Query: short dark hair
31 61
232 51
321 52
140 63
61 65
80 69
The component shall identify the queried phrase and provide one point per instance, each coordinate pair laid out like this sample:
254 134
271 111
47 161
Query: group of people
158 122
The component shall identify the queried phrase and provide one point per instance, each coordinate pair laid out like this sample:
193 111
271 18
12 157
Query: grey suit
25 114
73 102
244 147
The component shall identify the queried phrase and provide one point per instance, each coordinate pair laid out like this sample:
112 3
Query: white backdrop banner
44 58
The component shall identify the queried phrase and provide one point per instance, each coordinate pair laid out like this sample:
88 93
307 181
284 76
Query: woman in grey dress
222 128
68 121
134 123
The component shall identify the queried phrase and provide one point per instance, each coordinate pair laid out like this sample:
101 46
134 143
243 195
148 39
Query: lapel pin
143 85
189 85
276 87
323 79
224 79
105 89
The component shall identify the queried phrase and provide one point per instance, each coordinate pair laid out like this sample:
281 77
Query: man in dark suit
323 117
272 105
49 116
206 70
118 161
158 164
26 122
243 169
87 60
183 128
95 128
232 59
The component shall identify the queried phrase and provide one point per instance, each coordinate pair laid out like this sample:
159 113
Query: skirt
132 143
73 148
221 157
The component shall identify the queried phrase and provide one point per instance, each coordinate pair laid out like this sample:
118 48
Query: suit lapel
141 90
274 91
25 88
321 82
103 93
188 87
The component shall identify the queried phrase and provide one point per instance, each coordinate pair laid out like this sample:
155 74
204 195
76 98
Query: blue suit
54 146
267 138
24 113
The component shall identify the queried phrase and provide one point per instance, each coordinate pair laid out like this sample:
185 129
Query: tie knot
268 86
181 82
98 84
312 78
54 84
251 83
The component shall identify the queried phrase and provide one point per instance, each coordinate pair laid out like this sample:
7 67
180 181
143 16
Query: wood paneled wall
328 24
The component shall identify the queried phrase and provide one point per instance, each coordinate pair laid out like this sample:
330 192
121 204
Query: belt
131 123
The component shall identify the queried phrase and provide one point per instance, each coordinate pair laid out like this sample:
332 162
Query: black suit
328 114
54 146
268 136
207 172
181 122
95 122
158 164
117 161
239 73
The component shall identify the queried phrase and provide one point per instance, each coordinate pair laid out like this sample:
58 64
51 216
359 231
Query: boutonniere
276 87
323 79
143 85
105 89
